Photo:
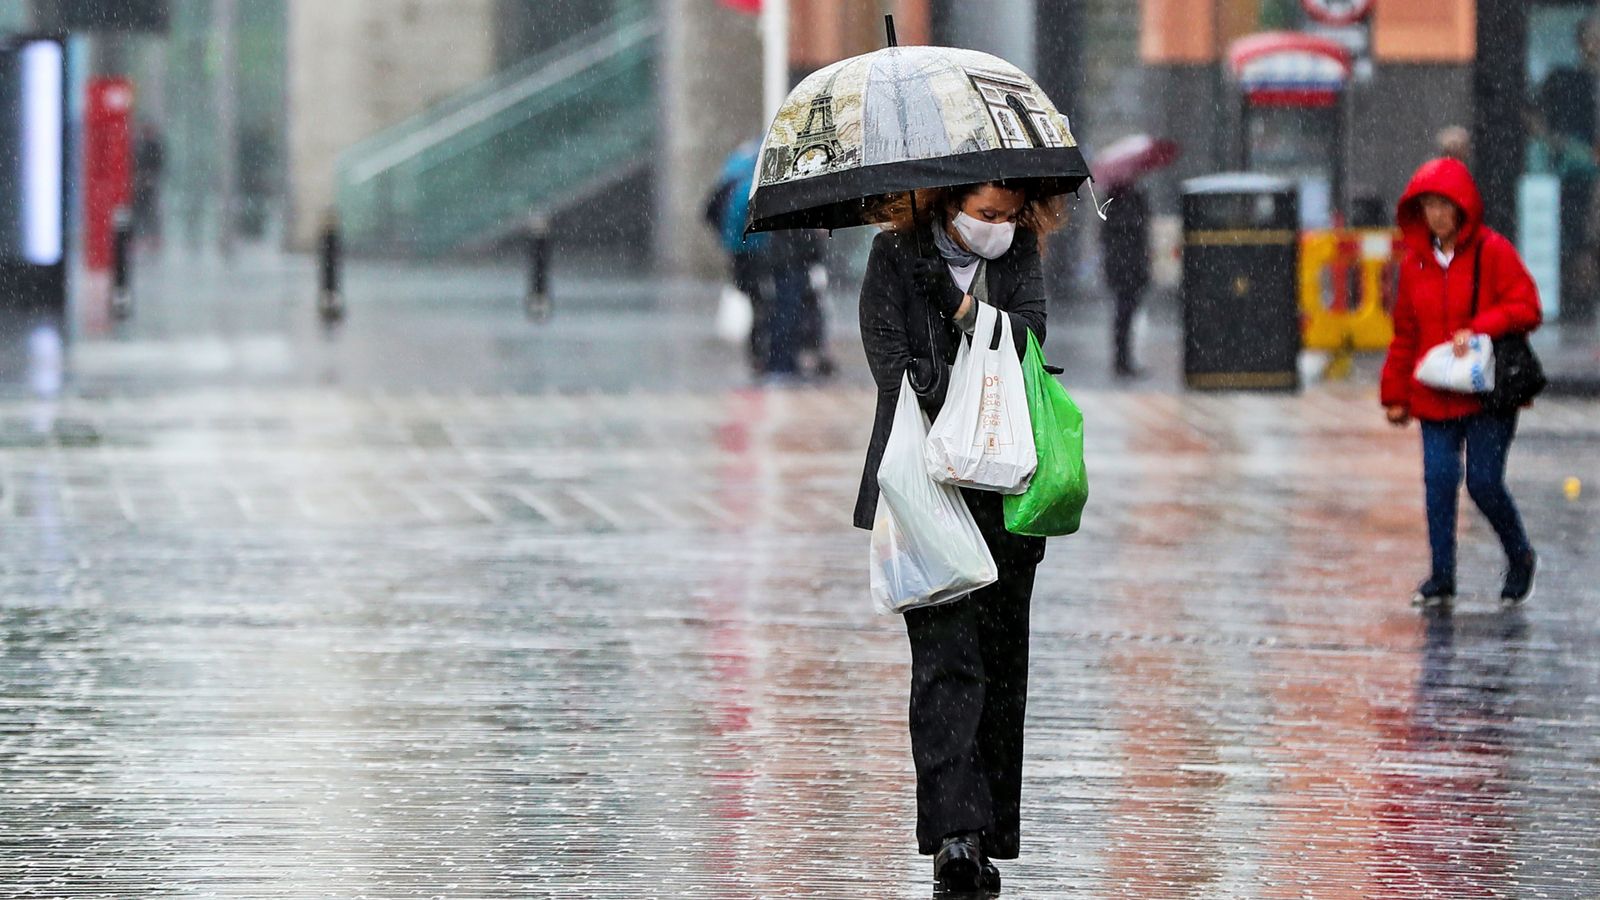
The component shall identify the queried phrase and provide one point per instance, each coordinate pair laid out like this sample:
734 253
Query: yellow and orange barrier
1346 277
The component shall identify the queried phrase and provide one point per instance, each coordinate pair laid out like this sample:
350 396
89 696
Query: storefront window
1558 229
1299 144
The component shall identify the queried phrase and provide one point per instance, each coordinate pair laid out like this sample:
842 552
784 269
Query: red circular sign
1337 12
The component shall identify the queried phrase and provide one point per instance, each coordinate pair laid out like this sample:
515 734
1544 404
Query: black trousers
1122 327
969 694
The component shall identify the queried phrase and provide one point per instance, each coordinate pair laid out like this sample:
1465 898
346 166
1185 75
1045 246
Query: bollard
538 302
122 263
330 301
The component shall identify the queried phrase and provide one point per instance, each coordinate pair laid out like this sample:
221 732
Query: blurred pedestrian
777 271
725 209
1125 259
1452 263
1455 142
969 659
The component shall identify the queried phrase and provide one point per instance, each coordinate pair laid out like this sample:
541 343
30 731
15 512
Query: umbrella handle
1099 208
916 229
935 363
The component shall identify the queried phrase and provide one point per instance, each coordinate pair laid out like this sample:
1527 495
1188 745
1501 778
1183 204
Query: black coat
894 330
1125 242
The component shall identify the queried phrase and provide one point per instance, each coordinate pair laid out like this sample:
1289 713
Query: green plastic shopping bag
1053 503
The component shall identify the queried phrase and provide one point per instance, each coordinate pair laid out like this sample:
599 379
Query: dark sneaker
1435 593
1519 581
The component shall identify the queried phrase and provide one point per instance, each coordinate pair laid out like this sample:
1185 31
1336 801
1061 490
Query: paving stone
291 640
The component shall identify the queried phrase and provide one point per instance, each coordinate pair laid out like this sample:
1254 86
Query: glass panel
1298 144
1557 194
540 134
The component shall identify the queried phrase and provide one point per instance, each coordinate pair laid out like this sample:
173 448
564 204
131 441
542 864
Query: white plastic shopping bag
983 438
926 548
734 315
1441 368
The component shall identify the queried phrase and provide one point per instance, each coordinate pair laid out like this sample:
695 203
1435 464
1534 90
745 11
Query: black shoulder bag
1518 375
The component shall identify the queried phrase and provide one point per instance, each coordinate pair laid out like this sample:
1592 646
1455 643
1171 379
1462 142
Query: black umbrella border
843 199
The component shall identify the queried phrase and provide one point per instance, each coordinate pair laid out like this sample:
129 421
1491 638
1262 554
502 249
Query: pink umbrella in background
1128 159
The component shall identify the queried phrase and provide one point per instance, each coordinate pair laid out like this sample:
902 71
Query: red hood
1439 176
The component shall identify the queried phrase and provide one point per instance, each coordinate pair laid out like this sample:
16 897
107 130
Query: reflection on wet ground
290 640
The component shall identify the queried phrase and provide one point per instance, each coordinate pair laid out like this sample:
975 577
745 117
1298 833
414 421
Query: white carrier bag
926 548
983 438
1441 368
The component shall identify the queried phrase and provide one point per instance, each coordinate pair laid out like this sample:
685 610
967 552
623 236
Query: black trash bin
1241 258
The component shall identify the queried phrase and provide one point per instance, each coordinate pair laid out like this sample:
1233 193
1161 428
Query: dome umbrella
1127 160
853 135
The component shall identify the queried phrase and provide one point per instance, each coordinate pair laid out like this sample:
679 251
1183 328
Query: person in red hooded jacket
1449 254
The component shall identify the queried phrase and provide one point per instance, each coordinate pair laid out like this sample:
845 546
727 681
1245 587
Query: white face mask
989 240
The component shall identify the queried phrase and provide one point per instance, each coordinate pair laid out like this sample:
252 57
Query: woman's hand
966 313
1398 415
1460 340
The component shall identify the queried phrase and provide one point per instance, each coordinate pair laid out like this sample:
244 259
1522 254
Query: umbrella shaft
775 55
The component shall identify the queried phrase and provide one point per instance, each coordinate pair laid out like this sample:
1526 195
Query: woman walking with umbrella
969 659
958 154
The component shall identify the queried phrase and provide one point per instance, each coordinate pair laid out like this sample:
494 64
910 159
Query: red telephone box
107 163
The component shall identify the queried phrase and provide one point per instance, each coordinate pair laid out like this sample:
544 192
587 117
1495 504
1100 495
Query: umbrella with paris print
853 135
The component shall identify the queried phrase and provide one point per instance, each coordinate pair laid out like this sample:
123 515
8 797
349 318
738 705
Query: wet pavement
446 604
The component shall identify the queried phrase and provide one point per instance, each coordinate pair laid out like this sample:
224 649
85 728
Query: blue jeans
1487 440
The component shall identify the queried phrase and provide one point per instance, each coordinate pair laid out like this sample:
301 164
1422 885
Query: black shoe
1435 593
989 880
1519 581
959 863
1127 371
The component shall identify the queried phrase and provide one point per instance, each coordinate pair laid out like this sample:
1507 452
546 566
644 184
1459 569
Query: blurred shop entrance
1291 91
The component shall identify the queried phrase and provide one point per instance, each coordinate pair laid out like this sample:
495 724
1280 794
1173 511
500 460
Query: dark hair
1040 214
